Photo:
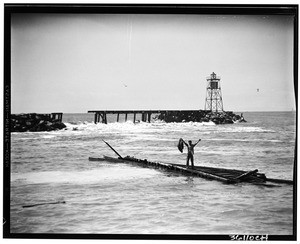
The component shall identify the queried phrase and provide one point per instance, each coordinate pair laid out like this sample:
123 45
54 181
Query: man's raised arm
197 142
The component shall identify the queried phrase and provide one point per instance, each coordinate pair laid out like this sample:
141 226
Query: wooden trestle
145 115
56 116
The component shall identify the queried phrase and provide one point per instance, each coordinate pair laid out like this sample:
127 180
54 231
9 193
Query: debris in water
46 203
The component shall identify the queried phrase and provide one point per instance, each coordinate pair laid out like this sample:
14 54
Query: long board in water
45 203
221 174
105 158
96 159
165 166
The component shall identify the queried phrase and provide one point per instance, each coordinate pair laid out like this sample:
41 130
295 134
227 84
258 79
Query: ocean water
115 198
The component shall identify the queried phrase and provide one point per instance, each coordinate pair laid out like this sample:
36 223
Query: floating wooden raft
221 174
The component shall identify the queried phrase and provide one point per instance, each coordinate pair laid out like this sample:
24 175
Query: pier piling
134 115
169 115
145 114
56 116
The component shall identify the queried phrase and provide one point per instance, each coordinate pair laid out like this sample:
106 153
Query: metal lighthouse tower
213 101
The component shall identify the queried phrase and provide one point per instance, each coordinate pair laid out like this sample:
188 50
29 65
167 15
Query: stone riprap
35 122
201 116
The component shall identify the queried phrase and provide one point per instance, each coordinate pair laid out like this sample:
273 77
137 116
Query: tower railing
210 78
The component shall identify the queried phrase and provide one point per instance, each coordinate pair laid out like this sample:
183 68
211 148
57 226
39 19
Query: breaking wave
107 174
205 127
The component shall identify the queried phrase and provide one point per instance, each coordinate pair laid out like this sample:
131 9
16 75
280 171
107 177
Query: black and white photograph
172 122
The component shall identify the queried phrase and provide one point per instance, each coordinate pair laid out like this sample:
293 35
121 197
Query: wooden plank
189 171
164 166
45 203
120 157
217 174
233 171
111 159
289 182
96 159
229 175
217 169
208 175
254 179
245 175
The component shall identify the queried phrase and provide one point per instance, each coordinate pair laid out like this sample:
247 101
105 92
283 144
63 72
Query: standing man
190 155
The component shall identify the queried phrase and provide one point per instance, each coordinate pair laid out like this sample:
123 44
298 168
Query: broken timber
160 165
39 204
228 176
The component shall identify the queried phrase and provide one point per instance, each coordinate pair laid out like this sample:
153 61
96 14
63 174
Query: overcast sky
75 63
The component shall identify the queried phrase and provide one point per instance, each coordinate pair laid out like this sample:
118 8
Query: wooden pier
145 115
56 116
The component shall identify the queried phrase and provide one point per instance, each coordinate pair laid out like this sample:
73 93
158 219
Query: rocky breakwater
201 116
35 122
225 117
